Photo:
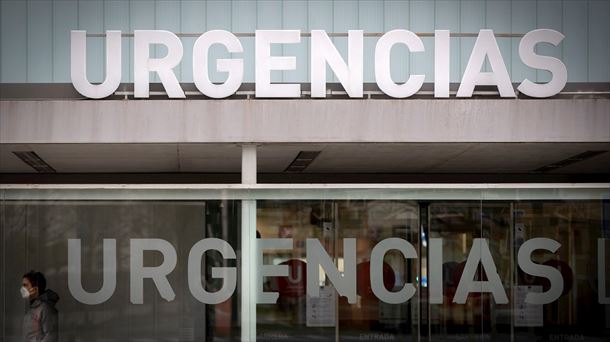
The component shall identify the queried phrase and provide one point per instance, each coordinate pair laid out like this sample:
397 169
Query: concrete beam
307 120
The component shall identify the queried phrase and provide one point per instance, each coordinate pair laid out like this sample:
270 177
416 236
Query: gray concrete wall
337 120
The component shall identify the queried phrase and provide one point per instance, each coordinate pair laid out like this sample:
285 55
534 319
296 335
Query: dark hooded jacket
40 323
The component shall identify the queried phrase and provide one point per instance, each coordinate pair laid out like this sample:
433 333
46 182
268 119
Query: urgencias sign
317 258
323 53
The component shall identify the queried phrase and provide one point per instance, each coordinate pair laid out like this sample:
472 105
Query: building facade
268 170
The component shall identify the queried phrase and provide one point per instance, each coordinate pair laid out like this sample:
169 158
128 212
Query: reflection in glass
330 317
36 236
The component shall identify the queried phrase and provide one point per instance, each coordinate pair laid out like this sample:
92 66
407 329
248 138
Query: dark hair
37 279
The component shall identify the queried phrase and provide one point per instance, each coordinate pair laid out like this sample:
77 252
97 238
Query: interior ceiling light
34 160
302 161
573 159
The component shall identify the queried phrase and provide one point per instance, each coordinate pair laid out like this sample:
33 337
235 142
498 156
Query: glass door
347 231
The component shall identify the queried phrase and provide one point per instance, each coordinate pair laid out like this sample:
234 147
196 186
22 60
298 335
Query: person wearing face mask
40 322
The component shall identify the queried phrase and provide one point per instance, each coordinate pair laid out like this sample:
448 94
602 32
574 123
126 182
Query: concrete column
248 247
248 164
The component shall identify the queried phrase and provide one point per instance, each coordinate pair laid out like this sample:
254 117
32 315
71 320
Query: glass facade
35 237
299 316
443 227
576 225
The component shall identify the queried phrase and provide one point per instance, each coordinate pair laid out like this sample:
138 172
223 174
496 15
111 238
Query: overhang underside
526 138
335 162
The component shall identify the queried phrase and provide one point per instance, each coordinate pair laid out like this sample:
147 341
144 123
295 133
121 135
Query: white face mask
24 292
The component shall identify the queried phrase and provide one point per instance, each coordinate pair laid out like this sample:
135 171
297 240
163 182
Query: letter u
74 273
78 65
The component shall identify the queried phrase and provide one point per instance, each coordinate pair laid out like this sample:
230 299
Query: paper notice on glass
527 315
320 311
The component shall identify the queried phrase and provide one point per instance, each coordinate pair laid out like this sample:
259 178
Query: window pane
36 235
577 226
330 316
487 276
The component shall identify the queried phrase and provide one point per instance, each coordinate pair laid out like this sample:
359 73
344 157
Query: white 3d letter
235 67
265 63
486 46
78 67
555 66
143 64
441 63
324 51
382 63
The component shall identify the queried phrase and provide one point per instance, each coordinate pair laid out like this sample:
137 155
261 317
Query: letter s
552 274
